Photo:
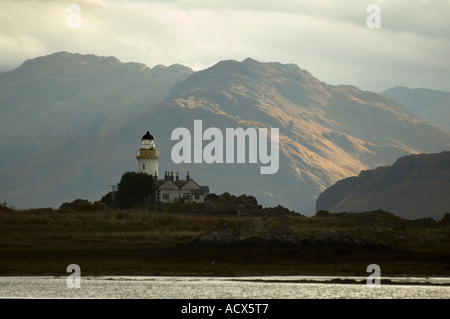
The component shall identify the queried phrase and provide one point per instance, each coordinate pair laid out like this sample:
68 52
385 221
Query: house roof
165 184
180 184
192 183
159 182
205 189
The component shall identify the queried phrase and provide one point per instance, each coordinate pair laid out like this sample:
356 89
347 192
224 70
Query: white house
170 189
175 190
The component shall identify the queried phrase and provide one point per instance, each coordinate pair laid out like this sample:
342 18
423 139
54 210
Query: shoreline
131 259
140 244
346 280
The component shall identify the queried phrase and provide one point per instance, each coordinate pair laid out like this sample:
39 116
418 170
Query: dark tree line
133 189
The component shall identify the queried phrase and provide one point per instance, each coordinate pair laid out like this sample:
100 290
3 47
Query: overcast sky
329 38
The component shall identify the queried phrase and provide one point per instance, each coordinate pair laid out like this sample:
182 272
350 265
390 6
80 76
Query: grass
45 225
45 241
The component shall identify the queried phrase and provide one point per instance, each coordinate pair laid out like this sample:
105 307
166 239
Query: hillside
430 105
413 187
62 97
327 133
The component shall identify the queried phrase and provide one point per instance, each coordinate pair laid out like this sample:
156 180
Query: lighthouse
148 156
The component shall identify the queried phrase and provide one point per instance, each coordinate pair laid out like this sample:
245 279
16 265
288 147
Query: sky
329 38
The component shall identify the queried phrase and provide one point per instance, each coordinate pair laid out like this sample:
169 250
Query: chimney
171 176
187 176
177 177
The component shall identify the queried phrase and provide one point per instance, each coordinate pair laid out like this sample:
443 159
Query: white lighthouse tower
148 156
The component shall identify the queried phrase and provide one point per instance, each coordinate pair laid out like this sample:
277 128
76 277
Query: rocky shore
261 232
45 242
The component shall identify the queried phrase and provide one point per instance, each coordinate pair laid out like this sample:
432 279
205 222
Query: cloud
328 38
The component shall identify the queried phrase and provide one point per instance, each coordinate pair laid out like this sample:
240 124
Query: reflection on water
221 288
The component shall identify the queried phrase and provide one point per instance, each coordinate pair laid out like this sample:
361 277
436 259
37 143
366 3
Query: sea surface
290 287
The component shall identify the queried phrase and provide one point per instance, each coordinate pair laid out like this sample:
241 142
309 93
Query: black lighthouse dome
148 136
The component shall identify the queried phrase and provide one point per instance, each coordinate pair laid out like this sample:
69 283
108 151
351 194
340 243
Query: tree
134 189
109 200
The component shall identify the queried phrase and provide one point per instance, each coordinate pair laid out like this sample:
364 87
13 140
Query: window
165 196
197 196
143 166
186 196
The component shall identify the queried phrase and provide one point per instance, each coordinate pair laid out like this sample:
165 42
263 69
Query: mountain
49 100
413 187
431 105
327 133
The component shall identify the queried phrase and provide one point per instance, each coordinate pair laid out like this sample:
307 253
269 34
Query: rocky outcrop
415 186
82 205
243 205
257 231
270 232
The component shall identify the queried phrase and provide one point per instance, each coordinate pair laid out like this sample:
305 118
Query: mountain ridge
430 105
411 185
51 99
324 135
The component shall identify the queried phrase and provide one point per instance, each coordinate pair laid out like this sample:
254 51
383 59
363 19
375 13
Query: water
130 287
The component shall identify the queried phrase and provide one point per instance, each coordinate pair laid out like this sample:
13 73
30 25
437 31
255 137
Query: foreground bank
45 242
